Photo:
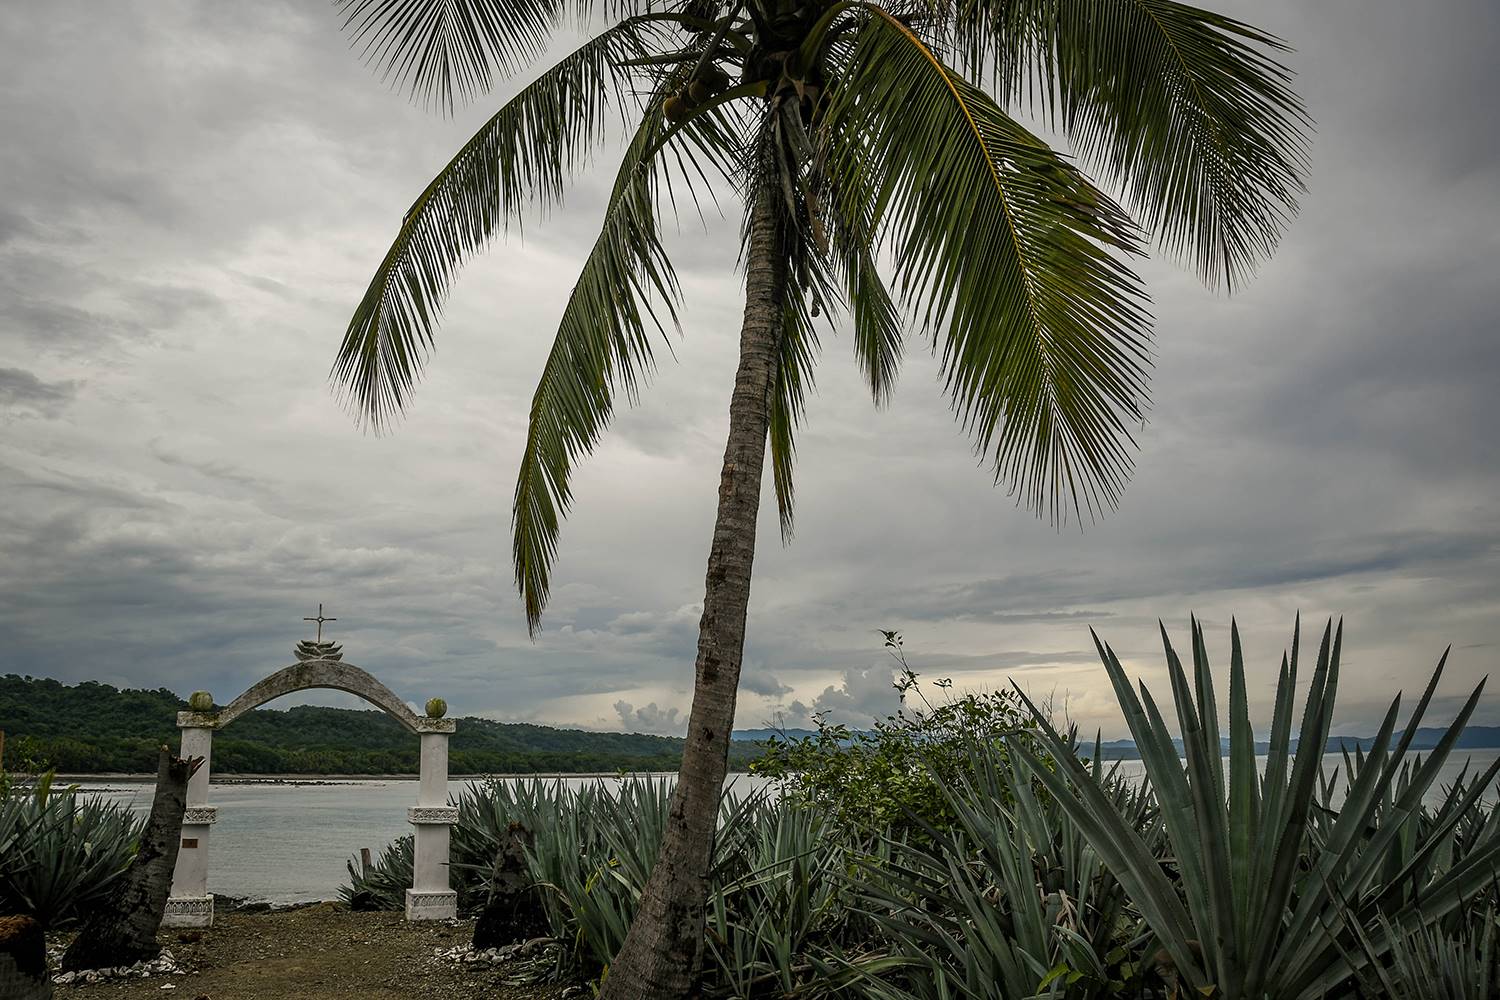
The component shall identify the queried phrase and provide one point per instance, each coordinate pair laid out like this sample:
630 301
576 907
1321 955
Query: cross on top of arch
320 620
317 649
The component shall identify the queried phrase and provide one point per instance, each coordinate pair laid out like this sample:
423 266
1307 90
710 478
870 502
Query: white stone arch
318 666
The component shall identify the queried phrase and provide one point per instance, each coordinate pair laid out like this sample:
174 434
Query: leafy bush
890 776
60 851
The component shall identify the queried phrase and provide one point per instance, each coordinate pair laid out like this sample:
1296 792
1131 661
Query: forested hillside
92 727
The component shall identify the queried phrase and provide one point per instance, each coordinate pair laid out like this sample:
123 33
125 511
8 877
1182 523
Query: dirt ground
322 951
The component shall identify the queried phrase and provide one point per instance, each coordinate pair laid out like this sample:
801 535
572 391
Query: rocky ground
326 951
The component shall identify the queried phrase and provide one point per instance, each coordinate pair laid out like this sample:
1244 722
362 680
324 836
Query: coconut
715 78
675 108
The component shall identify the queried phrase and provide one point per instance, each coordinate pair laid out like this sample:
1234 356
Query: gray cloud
763 683
177 265
23 393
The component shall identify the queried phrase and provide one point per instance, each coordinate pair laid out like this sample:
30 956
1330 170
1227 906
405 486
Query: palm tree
884 179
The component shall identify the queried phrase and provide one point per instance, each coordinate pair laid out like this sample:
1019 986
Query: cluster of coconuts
709 81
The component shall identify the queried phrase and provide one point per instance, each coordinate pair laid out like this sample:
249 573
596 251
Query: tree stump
513 911
23 960
123 931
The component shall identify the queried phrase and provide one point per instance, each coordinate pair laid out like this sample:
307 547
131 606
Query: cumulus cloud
650 718
861 695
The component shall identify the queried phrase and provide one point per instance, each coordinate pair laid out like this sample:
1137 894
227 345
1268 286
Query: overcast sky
195 195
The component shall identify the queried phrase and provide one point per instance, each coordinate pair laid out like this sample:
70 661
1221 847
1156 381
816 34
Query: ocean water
287 842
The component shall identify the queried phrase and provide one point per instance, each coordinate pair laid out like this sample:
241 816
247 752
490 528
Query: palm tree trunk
663 949
123 931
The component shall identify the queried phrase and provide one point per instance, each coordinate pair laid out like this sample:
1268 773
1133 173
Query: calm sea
285 842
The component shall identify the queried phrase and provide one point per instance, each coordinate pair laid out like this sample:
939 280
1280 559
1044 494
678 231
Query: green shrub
1422 963
890 776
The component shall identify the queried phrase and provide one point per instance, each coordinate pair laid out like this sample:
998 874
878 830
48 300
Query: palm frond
876 319
794 376
1002 248
521 156
602 341
1190 110
444 50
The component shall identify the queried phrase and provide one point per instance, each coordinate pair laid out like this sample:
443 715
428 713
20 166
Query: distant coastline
328 779
97 729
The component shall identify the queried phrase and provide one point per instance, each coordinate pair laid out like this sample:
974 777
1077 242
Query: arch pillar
191 904
430 897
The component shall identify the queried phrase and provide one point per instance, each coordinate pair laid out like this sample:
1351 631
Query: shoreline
312 779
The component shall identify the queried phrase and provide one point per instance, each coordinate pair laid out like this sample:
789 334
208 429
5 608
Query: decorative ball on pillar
436 708
201 701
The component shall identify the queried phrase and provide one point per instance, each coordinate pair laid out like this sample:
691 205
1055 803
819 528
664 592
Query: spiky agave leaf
1268 922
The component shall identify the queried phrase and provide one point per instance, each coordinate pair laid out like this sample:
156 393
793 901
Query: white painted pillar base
430 897
191 904
431 905
189 911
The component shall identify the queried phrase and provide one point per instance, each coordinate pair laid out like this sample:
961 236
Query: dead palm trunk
662 951
123 932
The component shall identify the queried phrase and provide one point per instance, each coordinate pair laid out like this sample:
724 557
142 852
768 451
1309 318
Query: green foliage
891 776
60 851
777 879
92 728
1267 900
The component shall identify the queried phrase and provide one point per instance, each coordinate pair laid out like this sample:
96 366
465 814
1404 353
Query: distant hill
760 735
97 728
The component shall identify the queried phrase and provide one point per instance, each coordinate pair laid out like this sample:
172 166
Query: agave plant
777 892
1426 963
1014 902
383 885
62 850
1270 902
591 858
